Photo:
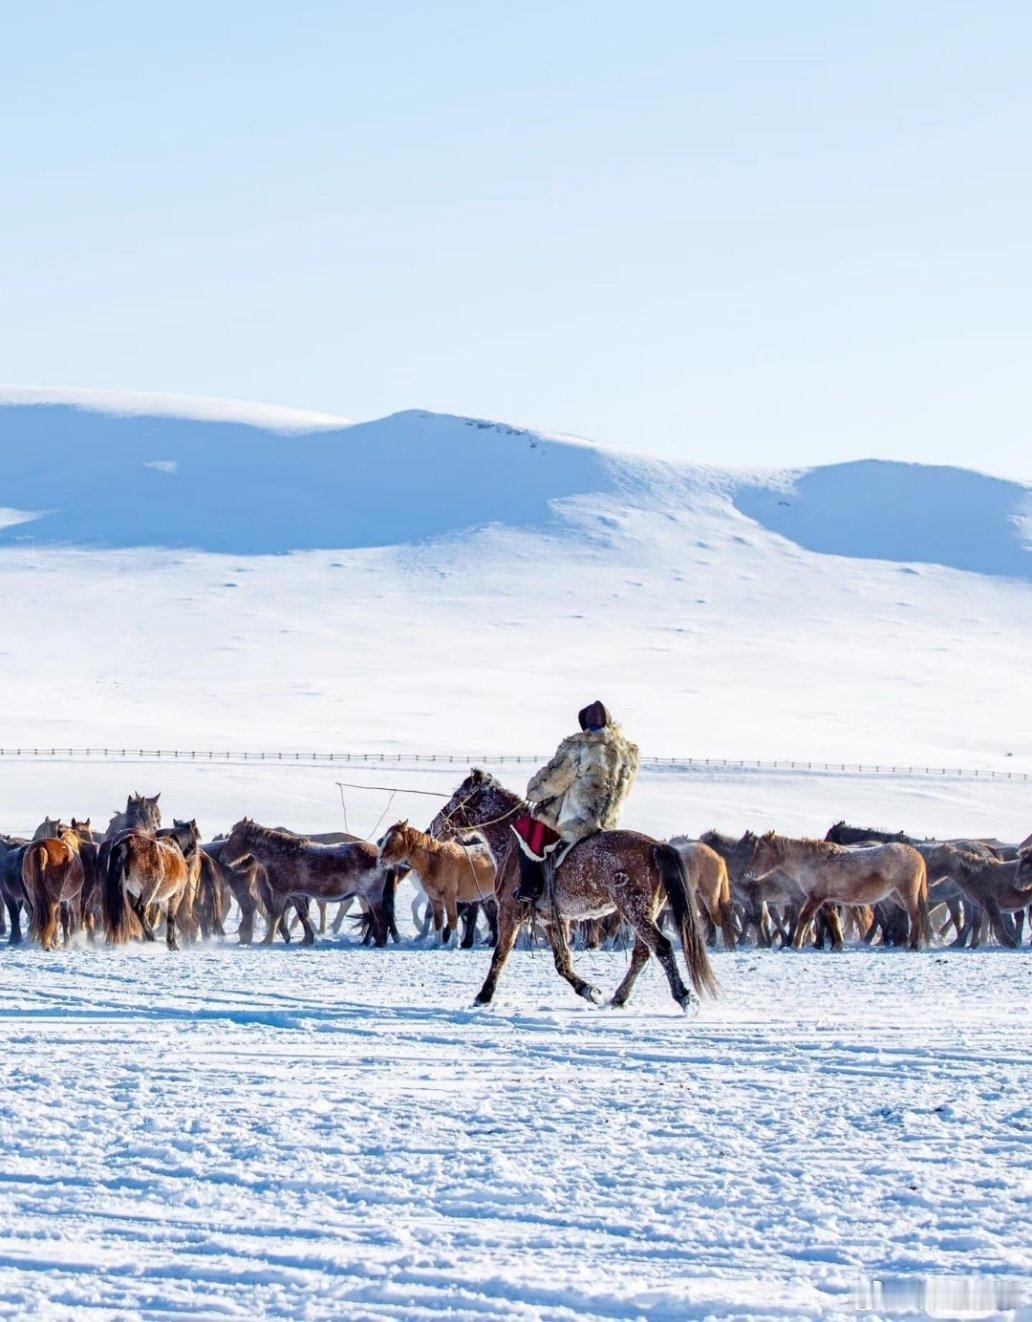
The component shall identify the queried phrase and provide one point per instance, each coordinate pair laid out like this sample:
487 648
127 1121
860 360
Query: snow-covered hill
455 585
111 471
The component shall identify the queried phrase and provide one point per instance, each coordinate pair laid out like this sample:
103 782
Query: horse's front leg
509 923
802 926
564 962
302 909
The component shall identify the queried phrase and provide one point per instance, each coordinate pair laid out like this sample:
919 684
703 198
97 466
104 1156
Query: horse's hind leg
639 958
171 914
14 914
564 964
303 910
140 910
637 911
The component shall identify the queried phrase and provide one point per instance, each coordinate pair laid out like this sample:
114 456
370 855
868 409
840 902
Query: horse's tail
390 888
924 922
674 877
727 910
34 866
117 919
210 892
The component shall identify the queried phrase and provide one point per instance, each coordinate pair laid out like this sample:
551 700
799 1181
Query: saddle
535 838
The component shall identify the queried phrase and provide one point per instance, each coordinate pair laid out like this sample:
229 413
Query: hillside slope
245 484
484 581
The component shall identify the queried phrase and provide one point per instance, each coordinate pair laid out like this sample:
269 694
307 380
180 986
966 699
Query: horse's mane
824 848
292 845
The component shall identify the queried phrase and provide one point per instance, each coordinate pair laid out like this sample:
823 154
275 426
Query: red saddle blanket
536 839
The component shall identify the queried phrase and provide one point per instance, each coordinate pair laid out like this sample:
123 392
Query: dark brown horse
141 814
614 870
293 870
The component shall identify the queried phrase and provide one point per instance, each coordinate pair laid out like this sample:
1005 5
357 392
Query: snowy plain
334 1132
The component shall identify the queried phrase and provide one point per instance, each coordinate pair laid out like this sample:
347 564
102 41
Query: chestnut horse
52 874
711 885
452 872
827 873
614 870
143 871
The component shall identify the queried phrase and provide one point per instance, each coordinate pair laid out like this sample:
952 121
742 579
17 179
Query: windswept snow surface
334 1133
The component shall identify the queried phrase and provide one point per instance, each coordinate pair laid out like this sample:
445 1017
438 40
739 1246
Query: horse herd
137 877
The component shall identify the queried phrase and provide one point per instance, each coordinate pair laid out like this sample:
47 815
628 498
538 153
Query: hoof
690 1005
614 1004
591 994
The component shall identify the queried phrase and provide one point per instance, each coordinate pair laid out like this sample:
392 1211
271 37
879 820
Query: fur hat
594 717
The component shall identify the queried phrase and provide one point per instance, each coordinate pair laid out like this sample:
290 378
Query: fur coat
583 788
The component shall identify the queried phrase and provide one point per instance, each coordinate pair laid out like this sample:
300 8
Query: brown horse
294 870
452 872
998 887
141 814
836 874
143 871
52 874
711 885
614 870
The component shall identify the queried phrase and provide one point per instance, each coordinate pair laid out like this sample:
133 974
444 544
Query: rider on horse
577 794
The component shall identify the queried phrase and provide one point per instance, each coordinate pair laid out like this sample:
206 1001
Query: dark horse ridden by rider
611 870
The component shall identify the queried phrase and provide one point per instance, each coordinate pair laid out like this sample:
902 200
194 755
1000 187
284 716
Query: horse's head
237 846
142 813
187 833
394 844
768 853
1024 871
478 800
83 829
49 829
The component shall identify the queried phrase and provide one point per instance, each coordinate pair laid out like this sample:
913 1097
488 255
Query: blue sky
749 233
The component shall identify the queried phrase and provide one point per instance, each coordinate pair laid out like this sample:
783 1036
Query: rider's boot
532 879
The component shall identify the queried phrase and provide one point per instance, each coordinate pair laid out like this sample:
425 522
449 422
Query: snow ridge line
238 756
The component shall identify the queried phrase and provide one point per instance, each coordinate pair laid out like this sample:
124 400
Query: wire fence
240 756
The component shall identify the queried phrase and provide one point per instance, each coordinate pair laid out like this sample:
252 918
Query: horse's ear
477 776
156 797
